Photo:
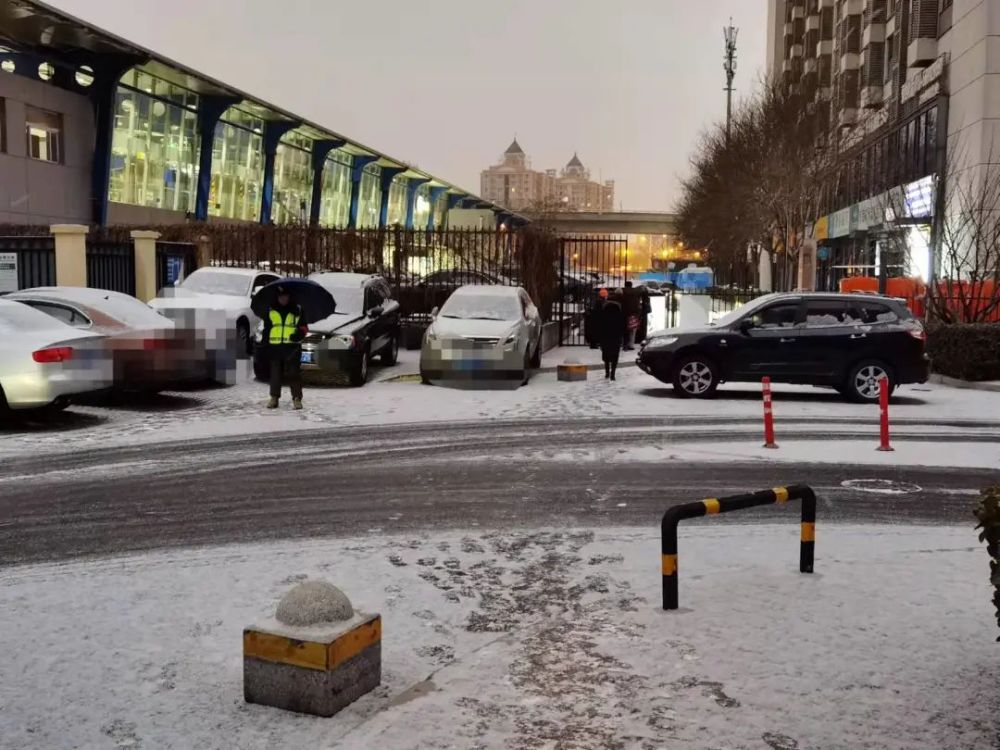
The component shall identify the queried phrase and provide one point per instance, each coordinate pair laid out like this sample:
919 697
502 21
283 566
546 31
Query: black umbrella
316 302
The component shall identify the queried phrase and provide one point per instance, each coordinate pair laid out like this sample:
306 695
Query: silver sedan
45 363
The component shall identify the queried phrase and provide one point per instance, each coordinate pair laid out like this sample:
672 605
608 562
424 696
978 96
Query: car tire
695 376
261 371
359 373
390 355
245 343
862 385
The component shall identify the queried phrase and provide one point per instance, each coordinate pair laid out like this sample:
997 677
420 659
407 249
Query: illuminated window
397 201
422 207
292 180
335 210
44 131
46 71
237 166
369 197
8 66
85 76
154 149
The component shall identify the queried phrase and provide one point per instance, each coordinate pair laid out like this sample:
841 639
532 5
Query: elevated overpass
609 222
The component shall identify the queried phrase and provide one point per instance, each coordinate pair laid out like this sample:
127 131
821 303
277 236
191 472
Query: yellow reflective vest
282 328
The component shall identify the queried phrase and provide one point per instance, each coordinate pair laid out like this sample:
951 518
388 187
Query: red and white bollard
768 416
883 398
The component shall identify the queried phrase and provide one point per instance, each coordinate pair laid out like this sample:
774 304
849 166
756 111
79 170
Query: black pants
286 366
610 351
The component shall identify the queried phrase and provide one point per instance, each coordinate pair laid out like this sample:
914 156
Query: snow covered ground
920 410
536 639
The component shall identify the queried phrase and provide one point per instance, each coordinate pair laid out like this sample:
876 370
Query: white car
214 298
44 362
483 334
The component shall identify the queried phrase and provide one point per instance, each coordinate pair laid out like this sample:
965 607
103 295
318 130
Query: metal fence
26 261
111 263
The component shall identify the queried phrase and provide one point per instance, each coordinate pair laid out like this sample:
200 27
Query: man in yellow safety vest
284 329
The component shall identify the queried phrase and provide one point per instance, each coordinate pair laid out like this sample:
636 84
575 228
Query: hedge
968 351
988 514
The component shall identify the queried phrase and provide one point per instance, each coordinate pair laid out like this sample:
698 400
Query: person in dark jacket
592 323
284 329
632 309
612 332
646 308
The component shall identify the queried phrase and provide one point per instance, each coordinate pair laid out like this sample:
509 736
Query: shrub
966 351
988 514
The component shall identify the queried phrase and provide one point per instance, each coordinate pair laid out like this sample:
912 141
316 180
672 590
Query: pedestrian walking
632 308
592 323
612 333
284 329
646 308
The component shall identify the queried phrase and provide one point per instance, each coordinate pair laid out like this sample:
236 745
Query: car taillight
55 354
919 333
155 344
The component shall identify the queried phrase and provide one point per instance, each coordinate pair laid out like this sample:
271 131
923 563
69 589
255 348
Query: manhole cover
882 486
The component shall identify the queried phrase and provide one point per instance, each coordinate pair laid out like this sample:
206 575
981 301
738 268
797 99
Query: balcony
871 97
850 61
922 52
824 94
796 51
847 117
811 67
812 23
789 29
826 4
852 8
873 34
824 48
798 12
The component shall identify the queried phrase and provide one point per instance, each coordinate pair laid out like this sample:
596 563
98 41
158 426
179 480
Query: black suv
848 341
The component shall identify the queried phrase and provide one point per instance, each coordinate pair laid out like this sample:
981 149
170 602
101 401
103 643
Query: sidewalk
992 386
582 355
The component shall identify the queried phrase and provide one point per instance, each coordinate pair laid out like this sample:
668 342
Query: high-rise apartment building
906 93
512 183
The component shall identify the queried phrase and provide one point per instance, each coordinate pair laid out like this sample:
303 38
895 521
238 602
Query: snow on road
239 410
536 639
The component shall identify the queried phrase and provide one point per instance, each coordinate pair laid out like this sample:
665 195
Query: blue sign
175 269
823 253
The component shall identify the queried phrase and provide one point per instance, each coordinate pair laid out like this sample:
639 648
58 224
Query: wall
142 216
36 192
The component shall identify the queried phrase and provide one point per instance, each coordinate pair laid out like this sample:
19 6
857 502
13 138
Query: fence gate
586 264
174 261
111 264
26 262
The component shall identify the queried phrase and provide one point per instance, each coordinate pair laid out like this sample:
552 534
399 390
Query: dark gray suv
848 341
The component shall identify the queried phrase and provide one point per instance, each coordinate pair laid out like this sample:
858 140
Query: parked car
226 292
574 288
365 325
847 341
456 277
46 363
149 352
483 333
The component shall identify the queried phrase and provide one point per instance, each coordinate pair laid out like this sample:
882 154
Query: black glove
297 337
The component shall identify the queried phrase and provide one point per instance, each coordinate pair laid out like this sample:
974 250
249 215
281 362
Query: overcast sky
445 84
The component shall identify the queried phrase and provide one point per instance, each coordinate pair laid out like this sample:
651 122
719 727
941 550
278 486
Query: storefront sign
870 213
8 272
840 223
919 198
821 229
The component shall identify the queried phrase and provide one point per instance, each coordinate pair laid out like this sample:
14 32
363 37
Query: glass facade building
422 207
369 197
397 201
335 210
154 151
293 174
237 166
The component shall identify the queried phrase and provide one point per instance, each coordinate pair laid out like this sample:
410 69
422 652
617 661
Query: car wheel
243 338
359 373
695 376
390 354
261 371
863 381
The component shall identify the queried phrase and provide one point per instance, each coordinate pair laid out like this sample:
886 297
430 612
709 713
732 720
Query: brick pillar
145 264
71 254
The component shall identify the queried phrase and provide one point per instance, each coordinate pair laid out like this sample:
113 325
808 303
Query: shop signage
8 272
821 229
840 223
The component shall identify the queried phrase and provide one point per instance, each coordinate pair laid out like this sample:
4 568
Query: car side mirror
435 311
255 290
746 325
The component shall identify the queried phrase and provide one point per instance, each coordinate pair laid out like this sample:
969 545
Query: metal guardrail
713 506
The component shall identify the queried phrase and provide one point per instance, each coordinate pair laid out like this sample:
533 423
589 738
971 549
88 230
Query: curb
590 368
403 377
992 387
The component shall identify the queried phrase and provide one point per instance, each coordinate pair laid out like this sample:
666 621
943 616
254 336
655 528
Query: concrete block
571 372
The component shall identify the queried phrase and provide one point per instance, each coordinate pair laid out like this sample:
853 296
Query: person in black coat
646 309
613 325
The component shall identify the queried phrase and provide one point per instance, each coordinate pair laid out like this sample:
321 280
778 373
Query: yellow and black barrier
712 506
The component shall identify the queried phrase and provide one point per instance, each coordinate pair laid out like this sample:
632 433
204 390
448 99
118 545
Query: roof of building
575 162
515 148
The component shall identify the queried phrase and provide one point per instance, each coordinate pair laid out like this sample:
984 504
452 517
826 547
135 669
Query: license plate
470 364
308 358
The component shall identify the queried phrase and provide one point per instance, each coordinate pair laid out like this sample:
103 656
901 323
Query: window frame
849 307
54 136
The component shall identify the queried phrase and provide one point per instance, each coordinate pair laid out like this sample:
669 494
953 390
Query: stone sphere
314 603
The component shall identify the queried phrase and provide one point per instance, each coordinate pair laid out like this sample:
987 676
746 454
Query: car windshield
482 307
729 318
217 282
350 300
16 317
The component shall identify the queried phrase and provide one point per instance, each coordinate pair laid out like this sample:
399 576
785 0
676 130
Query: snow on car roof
494 290
229 270
333 278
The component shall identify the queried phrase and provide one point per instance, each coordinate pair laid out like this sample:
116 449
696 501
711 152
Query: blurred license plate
471 364
308 358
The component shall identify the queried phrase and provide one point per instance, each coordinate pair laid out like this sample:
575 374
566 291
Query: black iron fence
26 261
111 263
174 261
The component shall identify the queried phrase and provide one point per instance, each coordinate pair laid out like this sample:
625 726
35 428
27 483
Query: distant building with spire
514 184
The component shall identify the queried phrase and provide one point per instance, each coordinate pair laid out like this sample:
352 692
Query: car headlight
510 341
346 342
661 341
